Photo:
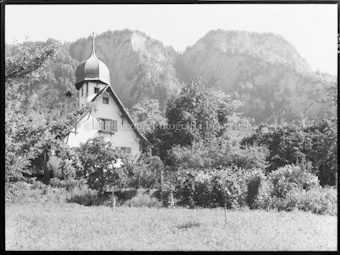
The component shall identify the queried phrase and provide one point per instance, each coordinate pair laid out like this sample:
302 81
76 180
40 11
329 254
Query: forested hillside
268 73
273 80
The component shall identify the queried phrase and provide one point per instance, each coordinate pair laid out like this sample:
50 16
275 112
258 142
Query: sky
310 28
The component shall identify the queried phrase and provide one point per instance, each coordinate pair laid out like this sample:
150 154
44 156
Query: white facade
118 131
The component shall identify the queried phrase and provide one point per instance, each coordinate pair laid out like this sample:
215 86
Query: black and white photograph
171 127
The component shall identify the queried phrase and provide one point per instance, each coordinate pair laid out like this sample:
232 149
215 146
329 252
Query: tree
25 130
198 113
29 130
146 114
314 143
98 159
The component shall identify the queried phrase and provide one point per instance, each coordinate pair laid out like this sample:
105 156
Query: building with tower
109 119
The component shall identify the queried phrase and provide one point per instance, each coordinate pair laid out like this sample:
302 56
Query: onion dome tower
91 76
92 69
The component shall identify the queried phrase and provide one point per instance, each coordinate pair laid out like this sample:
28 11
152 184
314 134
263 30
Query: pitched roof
120 106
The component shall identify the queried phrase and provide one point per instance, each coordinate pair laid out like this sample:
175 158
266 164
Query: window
82 91
107 125
105 100
126 149
87 89
96 90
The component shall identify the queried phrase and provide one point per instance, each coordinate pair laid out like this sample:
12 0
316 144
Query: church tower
92 75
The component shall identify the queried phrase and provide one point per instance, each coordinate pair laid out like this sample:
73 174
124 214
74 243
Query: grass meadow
69 226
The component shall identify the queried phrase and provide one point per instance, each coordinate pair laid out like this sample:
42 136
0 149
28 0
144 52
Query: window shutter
101 124
114 125
107 124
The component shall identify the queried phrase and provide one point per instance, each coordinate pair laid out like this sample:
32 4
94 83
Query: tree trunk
45 166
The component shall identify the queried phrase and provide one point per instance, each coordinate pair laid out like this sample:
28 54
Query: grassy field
75 227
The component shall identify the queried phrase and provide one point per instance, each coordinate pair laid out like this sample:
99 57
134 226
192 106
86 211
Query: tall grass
76 227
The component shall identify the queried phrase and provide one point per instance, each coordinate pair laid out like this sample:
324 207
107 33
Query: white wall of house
88 127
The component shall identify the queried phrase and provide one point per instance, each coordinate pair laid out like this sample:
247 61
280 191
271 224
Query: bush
290 188
317 200
143 200
163 194
253 188
57 183
210 188
219 152
289 177
87 197
314 142
22 193
38 185
98 158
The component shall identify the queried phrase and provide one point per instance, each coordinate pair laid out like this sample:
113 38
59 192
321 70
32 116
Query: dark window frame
107 125
104 99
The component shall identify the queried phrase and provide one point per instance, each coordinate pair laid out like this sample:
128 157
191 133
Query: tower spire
93 45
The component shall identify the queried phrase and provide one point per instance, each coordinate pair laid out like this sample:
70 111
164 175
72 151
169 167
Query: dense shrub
210 188
163 194
87 197
314 142
288 188
143 200
317 200
219 152
289 177
69 184
13 190
254 182
147 172
37 192
70 165
98 158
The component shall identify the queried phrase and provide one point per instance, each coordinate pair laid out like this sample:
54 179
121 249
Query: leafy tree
146 114
25 130
198 113
330 98
290 144
29 131
98 159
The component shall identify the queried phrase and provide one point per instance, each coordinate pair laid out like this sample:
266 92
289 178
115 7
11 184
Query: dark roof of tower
92 69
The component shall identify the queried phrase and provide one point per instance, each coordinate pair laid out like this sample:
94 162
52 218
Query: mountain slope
266 70
275 82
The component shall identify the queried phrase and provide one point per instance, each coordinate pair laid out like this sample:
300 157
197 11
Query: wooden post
114 199
139 180
336 180
171 200
225 212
